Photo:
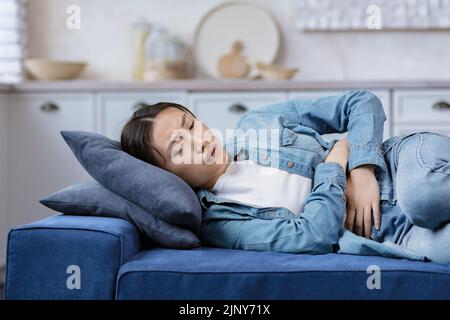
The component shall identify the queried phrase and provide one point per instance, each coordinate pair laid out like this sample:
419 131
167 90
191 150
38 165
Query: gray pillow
158 191
91 198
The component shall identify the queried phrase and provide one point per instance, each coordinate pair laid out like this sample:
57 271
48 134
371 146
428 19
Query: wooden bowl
273 72
45 69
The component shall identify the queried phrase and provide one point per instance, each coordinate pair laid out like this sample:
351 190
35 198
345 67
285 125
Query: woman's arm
339 154
316 230
358 112
361 114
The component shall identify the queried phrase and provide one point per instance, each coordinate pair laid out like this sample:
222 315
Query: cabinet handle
139 105
441 105
49 107
238 108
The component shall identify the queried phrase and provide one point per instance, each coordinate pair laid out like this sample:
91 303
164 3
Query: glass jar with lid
142 30
166 56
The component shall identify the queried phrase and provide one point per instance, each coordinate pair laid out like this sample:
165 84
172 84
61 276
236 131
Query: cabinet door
222 111
116 108
40 162
383 95
422 106
4 224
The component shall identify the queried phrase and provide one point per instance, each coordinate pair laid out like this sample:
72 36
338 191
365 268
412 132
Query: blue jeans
419 219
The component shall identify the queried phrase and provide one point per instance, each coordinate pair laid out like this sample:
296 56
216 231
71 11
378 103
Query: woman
277 185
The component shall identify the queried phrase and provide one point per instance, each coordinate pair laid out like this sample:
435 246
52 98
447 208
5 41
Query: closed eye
180 152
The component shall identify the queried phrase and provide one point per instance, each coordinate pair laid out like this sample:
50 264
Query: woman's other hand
339 154
363 201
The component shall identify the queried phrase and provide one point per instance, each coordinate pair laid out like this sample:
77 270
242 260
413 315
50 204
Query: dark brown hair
137 132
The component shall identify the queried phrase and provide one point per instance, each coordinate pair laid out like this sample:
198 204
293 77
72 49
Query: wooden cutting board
233 64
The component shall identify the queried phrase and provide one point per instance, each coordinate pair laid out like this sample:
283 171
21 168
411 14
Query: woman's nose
200 143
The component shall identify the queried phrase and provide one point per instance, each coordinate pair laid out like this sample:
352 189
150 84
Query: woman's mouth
211 152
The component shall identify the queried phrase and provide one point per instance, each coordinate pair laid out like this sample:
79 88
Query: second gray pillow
91 198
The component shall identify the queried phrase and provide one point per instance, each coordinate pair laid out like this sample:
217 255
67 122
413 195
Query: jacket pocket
291 139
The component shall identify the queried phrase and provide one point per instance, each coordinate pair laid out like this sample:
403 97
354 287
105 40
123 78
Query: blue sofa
77 257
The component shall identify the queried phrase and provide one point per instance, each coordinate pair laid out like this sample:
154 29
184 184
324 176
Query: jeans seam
420 156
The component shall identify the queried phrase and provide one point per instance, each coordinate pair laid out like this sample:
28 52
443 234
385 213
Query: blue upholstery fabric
105 250
40 253
215 273
156 190
91 198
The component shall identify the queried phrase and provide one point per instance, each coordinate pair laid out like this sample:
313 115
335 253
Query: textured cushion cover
215 273
105 250
40 253
156 190
91 198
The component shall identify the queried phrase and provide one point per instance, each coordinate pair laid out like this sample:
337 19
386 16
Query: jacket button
290 164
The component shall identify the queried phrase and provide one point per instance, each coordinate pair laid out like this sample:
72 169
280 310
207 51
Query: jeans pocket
433 152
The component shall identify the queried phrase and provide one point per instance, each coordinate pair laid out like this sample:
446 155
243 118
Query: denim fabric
302 150
422 187
269 229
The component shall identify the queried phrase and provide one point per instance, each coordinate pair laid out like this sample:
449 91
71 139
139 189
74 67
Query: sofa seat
78 257
214 273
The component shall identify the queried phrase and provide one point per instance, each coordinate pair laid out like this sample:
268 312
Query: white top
252 184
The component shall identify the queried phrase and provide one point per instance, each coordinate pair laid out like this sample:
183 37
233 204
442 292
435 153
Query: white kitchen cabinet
222 110
39 160
422 106
116 108
383 95
4 224
421 110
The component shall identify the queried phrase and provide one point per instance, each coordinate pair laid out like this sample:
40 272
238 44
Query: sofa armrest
68 257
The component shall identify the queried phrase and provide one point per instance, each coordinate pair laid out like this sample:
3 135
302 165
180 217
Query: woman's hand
339 154
363 201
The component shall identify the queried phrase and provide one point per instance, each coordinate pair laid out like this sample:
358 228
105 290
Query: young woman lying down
276 184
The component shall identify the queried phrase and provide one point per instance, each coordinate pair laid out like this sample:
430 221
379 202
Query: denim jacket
292 141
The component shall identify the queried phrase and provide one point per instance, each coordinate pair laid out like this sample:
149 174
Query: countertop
219 85
4 88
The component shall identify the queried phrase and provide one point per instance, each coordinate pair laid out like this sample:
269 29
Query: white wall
105 40
4 225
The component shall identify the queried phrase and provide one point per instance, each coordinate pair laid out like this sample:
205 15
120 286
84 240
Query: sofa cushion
156 190
67 257
91 198
215 273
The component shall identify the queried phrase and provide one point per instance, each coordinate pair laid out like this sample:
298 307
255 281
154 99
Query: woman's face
190 149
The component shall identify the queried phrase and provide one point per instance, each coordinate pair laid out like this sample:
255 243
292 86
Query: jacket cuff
330 172
361 154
